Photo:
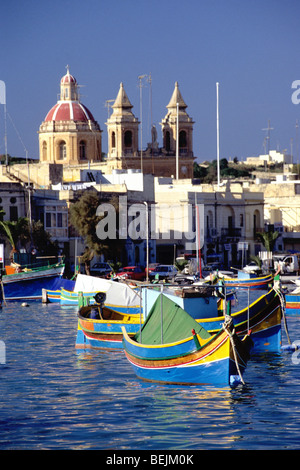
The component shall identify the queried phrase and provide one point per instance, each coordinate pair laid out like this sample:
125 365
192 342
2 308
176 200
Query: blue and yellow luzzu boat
173 348
73 298
101 327
262 317
53 296
249 282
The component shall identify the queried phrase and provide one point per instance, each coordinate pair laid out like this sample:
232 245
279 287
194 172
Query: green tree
84 219
21 235
16 232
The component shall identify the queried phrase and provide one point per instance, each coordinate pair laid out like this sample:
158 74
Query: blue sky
252 48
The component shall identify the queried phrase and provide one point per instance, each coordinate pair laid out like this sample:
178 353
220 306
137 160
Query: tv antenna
268 135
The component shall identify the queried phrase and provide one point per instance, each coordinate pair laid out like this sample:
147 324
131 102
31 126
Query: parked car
100 269
132 272
163 271
152 266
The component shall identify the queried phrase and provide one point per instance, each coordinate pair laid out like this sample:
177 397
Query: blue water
55 397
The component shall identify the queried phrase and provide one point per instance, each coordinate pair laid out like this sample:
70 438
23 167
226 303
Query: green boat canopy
168 320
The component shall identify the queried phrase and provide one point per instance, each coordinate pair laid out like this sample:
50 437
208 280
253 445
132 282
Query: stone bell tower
122 128
177 108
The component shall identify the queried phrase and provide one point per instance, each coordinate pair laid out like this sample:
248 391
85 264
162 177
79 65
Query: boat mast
218 135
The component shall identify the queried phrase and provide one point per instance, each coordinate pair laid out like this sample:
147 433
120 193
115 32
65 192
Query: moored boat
54 295
256 282
119 296
101 327
262 317
173 348
28 283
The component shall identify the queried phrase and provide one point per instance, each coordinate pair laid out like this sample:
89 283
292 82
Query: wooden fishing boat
101 327
72 298
54 295
88 298
198 301
119 296
51 296
259 282
28 283
262 317
173 348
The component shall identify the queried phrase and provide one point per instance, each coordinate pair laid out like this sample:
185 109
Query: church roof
69 111
69 108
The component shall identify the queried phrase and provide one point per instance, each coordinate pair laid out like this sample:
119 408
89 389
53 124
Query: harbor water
58 398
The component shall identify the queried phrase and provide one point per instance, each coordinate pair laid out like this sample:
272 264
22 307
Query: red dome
69 111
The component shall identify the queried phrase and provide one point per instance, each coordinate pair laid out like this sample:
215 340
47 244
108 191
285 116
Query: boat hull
211 364
28 285
252 282
105 333
263 319
292 304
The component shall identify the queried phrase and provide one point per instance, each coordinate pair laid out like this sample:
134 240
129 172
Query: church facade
70 135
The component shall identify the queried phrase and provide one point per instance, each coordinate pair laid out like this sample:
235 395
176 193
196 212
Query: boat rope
276 288
228 322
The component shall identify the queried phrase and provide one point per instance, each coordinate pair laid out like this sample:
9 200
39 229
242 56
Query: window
128 139
62 150
82 150
44 151
59 219
182 139
48 219
113 140
167 141
13 213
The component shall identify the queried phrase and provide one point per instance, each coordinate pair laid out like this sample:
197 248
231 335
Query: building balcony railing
231 232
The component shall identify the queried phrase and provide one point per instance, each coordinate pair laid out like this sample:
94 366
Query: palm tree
268 239
16 231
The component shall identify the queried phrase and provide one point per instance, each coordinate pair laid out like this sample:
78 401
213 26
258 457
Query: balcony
231 232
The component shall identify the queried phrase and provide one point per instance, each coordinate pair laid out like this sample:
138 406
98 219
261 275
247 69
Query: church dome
69 111
69 108
68 78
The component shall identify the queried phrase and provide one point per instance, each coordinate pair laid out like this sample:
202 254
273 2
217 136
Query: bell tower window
167 141
182 139
128 139
113 140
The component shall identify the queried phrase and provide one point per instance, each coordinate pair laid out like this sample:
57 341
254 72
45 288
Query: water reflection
56 394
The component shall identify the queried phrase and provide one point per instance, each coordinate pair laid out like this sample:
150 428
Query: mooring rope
228 321
282 302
